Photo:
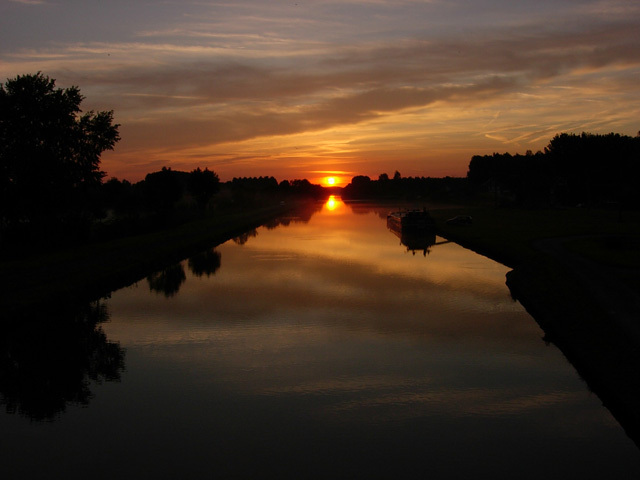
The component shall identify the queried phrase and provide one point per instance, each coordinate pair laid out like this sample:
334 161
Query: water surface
316 347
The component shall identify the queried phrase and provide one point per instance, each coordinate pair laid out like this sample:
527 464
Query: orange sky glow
333 89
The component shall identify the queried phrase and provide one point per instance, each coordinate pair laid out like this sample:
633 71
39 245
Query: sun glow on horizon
333 180
291 105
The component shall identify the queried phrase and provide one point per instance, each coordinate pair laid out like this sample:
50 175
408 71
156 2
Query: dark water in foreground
318 348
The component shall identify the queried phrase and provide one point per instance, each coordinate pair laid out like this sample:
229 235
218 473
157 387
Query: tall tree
163 189
49 150
203 184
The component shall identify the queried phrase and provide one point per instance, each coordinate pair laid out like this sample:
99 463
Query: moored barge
410 221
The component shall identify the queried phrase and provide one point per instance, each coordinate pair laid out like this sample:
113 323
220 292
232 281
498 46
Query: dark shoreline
596 334
54 280
602 353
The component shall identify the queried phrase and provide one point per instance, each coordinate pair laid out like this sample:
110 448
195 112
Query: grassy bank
576 272
508 235
55 278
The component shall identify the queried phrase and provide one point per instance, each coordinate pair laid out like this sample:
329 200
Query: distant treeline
407 188
165 198
270 185
167 190
586 169
169 197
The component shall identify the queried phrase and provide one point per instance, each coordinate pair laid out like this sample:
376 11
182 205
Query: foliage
163 189
406 188
585 169
120 196
593 169
49 151
254 183
304 188
168 280
203 184
523 179
205 263
47 364
248 191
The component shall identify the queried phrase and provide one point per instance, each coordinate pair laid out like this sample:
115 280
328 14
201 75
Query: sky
310 89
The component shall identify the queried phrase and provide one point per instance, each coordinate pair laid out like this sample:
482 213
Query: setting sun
331 180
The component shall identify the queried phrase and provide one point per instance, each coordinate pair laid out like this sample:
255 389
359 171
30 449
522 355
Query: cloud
229 76
30 2
360 84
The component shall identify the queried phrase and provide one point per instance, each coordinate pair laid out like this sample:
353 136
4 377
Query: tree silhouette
585 169
120 196
163 189
360 187
205 263
49 151
167 281
244 237
203 184
50 360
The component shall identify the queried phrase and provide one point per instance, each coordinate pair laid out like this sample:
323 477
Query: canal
318 346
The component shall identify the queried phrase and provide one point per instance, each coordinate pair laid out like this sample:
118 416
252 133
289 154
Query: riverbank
576 271
44 281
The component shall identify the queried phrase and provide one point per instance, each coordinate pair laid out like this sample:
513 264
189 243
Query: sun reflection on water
333 203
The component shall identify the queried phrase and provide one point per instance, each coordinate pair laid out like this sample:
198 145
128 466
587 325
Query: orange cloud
237 87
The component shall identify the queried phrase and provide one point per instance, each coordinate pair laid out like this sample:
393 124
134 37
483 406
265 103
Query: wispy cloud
251 80
29 2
